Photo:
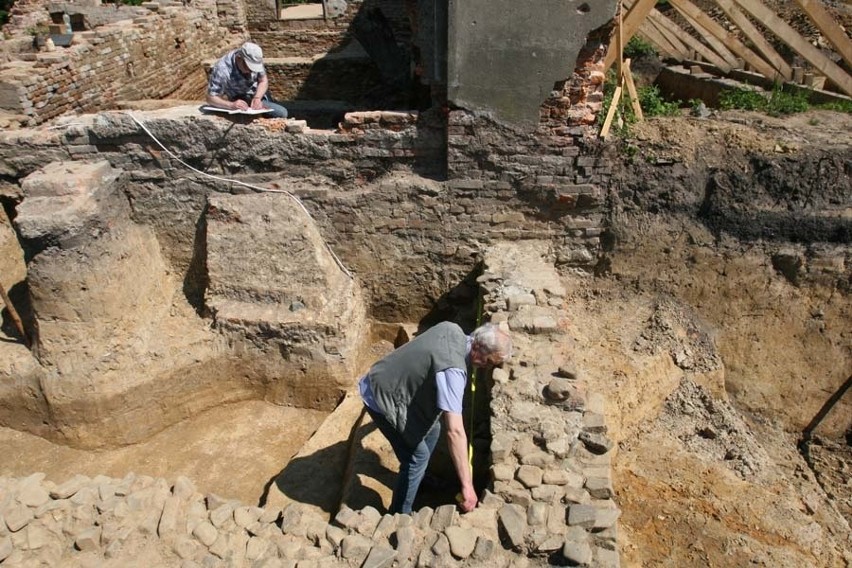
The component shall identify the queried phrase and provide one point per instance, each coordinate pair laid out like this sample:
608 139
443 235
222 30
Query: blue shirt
227 79
450 383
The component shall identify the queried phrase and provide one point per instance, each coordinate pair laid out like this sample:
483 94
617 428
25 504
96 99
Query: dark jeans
412 461
278 111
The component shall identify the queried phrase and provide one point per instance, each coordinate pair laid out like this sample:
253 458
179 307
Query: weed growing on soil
650 99
638 47
778 102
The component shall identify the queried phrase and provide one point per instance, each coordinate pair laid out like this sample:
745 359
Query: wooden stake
15 318
616 97
631 91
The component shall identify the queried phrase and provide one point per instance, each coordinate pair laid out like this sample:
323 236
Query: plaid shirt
227 79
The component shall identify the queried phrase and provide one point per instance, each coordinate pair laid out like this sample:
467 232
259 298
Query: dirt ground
233 450
715 361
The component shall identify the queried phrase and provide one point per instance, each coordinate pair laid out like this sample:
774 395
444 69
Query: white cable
250 186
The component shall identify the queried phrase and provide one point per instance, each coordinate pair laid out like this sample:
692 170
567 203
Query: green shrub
839 106
638 47
653 104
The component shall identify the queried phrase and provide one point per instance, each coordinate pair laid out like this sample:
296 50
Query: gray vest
403 383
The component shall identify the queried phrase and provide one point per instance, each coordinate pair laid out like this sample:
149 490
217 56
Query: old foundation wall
145 58
371 188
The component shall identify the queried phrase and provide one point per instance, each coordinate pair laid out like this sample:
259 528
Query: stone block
206 533
582 515
596 443
462 541
379 557
355 548
512 521
529 475
599 487
89 539
70 487
68 178
17 517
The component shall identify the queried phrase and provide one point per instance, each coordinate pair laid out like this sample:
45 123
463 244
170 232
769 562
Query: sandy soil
234 451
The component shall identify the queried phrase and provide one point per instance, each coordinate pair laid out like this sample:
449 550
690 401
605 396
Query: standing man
412 387
238 81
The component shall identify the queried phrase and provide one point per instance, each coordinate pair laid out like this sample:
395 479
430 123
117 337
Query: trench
261 453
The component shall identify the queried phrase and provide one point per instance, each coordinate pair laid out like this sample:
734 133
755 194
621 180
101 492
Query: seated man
411 388
238 81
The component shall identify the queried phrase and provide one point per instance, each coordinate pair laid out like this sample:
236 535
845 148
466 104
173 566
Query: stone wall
146 58
371 187
334 77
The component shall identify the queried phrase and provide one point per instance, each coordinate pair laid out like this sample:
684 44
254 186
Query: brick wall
373 190
331 78
146 58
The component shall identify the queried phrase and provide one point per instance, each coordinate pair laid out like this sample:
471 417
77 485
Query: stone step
315 476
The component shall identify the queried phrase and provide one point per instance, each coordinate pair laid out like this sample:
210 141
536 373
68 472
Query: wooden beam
631 90
829 28
630 24
667 24
682 50
613 106
650 34
720 34
705 26
754 35
789 36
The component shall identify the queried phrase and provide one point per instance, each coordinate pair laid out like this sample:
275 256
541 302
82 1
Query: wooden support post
613 107
14 313
789 36
631 22
631 91
798 75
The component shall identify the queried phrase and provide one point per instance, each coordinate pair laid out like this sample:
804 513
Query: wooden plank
665 23
649 33
754 35
704 25
829 28
789 36
720 34
613 107
631 91
682 50
631 22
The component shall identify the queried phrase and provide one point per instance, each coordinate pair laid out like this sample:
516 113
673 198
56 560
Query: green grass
778 102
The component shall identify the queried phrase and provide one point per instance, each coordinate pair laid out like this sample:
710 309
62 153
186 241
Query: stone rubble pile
551 457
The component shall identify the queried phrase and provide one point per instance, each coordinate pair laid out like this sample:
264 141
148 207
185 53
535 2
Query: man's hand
240 104
468 500
457 443
256 104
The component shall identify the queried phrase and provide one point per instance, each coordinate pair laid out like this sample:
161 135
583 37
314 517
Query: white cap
253 56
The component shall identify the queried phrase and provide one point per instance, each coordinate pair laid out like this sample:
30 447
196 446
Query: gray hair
493 340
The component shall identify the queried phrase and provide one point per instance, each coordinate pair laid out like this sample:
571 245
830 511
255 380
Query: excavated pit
717 329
